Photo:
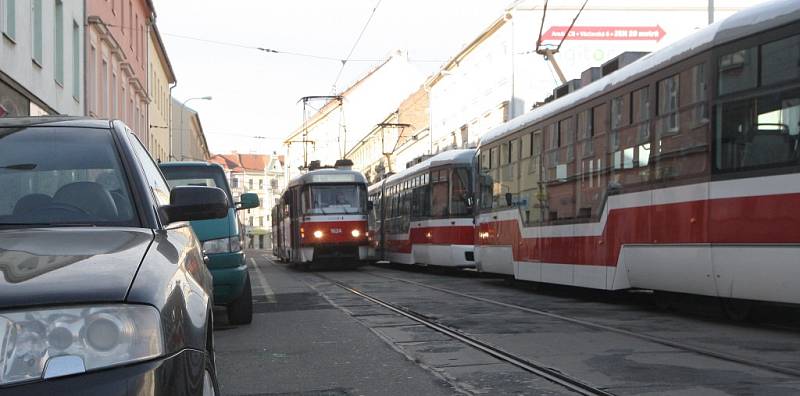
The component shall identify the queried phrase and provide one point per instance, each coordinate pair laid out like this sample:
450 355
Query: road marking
269 294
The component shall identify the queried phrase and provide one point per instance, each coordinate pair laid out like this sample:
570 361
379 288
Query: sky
255 94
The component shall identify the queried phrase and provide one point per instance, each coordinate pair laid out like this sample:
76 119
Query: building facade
188 139
341 124
499 75
116 61
161 78
388 147
260 174
41 57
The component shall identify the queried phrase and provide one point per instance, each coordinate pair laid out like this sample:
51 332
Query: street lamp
183 110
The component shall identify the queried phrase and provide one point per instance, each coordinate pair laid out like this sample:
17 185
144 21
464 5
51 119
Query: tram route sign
605 33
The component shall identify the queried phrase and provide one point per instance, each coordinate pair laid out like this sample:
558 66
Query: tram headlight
355 233
318 234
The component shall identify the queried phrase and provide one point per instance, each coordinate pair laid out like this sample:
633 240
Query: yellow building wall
159 108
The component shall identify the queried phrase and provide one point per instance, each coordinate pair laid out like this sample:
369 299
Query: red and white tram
423 215
322 217
679 172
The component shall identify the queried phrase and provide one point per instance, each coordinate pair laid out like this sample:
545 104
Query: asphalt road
300 344
310 336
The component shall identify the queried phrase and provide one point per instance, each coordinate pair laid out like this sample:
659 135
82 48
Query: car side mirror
188 203
248 201
370 206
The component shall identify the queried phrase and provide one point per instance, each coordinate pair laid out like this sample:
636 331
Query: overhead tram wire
355 44
570 25
541 27
261 137
274 51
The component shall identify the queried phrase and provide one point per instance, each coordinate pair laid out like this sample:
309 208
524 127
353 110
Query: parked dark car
104 289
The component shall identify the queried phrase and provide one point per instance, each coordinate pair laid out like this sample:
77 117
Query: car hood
69 265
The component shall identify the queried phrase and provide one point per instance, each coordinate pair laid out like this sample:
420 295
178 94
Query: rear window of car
196 176
60 176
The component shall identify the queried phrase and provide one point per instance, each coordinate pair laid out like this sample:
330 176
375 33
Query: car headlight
48 343
355 233
222 245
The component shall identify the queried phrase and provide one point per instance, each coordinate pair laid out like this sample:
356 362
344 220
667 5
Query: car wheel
240 311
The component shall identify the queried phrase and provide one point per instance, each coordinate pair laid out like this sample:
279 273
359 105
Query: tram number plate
336 230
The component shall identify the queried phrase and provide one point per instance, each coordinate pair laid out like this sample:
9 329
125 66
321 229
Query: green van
222 239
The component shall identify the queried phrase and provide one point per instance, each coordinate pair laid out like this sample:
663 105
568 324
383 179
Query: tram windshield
334 199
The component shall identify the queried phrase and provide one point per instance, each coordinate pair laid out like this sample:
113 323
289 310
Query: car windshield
196 176
55 176
334 199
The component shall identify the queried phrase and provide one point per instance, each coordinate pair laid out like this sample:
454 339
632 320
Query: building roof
456 60
236 162
163 52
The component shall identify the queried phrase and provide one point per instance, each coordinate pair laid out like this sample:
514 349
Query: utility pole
383 126
305 141
710 11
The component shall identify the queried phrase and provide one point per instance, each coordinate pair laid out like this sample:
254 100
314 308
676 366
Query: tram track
598 326
551 374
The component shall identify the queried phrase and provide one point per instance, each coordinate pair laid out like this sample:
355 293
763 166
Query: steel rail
658 340
538 369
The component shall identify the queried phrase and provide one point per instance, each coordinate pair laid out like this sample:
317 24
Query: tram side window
738 71
761 131
618 120
699 94
494 159
758 133
668 120
485 181
513 182
780 60
586 192
440 188
566 132
641 114
421 202
504 177
405 210
460 192
530 181
305 200
585 133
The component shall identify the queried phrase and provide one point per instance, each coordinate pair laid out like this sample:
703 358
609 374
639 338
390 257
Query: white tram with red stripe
322 217
423 215
679 172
